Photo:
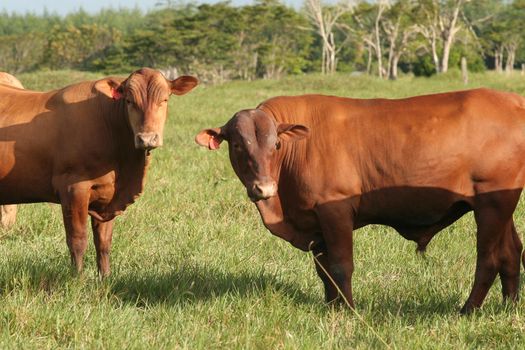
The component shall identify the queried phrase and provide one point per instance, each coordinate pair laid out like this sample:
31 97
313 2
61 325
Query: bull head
254 141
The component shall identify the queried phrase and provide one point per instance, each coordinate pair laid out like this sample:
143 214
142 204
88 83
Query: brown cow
319 167
85 146
8 79
8 212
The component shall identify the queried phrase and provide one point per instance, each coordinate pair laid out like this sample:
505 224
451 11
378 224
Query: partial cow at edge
318 167
8 212
8 79
86 147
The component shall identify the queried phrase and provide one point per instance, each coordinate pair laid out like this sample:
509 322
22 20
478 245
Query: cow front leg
102 236
336 263
74 201
322 266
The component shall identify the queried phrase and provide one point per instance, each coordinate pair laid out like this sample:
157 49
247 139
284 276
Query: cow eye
278 145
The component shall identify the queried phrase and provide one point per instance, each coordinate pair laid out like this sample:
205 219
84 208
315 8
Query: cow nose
147 140
264 190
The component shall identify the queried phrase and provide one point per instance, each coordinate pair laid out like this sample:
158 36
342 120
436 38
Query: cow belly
26 185
18 193
413 212
7 158
25 173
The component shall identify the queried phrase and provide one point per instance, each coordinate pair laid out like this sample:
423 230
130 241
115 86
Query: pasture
193 267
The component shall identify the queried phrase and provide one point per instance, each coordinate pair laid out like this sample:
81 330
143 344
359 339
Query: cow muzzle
262 190
147 140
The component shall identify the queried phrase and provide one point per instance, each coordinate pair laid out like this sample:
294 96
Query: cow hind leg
102 236
519 245
7 215
496 250
510 256
422 243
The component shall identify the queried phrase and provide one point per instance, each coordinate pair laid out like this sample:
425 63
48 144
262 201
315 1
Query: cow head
254 140
145 93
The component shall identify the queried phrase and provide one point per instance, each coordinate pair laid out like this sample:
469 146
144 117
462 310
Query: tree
485 19
382 6
324 18
441 23
22 52
514 19
368 20
71 46
275 30
399 27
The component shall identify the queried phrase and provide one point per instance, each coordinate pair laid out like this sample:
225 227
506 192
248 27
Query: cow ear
292 132
183 84
111 88
210 138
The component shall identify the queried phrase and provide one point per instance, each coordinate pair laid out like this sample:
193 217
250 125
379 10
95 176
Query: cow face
145 94
254 142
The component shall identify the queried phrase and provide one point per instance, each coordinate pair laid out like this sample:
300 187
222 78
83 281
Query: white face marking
248 142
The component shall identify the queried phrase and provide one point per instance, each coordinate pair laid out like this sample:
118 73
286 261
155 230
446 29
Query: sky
63 7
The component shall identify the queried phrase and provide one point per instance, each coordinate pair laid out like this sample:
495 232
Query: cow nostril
264 190
258 189
155 139
148 140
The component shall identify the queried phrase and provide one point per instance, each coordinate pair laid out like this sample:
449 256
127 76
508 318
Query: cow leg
510 258
493 214
102 235
75 211
322 266
7 215
519 245
337 227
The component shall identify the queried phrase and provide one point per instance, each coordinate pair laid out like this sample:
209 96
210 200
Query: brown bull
8 212
319 167
85 146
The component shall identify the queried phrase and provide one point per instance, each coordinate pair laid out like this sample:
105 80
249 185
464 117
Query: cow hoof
104 275
467 310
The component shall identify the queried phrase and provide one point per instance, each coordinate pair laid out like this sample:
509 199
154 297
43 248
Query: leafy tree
268 39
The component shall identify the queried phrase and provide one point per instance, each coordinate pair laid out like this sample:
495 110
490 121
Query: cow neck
131 163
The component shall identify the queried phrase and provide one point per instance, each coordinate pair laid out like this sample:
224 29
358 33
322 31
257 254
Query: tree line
268 39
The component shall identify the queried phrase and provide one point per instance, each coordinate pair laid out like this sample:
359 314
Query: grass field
193 266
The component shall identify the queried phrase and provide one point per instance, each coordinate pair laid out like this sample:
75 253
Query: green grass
193 266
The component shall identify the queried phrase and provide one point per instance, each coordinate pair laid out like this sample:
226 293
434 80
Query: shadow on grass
197 283
189 284
23 273
434 303
429 306
182 285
